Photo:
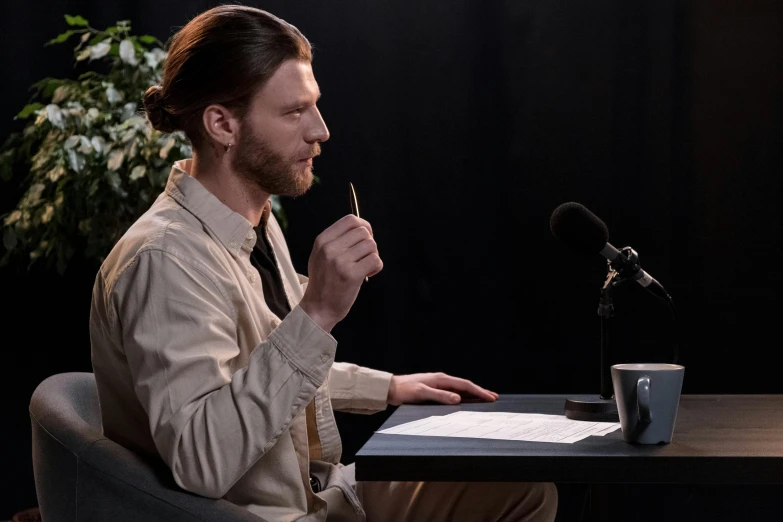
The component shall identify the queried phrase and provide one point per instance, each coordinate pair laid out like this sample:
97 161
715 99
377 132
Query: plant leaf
154 57
75 20
114 180
55 173
55 115
76 161
29 110
137 172
71 142
98 143
113 95
13 217
6 173
9 238
45 88
164 151
115 159
100 50
147 39
60 93
60 38
128 52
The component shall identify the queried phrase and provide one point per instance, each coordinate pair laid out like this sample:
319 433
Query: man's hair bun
154 106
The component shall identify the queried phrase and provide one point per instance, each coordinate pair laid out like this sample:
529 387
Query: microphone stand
604 408
606 312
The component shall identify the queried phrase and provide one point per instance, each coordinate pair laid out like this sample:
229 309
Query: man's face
281 131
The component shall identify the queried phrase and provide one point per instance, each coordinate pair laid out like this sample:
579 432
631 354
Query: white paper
535 427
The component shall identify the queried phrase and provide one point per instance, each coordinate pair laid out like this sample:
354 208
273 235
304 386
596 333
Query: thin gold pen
355 210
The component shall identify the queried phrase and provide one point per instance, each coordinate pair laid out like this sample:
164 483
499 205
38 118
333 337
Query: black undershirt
263 260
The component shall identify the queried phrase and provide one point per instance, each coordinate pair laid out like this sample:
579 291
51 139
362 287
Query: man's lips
309 158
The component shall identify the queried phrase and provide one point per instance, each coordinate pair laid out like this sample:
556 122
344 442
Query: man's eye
298 110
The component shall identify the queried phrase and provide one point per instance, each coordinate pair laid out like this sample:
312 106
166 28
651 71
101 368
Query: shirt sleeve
179 336
357 389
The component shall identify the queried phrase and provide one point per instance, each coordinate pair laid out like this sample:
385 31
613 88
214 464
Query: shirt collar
230 228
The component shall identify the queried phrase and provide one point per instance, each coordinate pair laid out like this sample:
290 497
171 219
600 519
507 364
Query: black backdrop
463 124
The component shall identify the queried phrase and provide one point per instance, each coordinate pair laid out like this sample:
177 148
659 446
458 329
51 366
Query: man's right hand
343 255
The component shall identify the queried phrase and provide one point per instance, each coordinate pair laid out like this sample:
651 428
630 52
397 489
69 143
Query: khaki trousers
455 501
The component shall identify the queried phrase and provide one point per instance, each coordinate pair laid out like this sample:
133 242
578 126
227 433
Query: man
209 349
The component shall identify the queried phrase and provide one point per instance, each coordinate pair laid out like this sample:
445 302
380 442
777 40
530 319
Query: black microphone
584 232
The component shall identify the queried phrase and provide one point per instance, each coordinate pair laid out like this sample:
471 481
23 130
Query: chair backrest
80 475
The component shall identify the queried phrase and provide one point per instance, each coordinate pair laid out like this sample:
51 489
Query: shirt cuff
372 389
305 344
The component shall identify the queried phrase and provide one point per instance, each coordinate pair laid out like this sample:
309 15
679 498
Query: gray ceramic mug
647 397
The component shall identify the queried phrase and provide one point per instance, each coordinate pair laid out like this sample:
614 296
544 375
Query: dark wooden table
718 439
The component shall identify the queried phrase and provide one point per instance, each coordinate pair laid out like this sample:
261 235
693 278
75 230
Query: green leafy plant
88 161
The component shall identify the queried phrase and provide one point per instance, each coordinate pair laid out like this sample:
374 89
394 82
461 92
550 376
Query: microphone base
594 409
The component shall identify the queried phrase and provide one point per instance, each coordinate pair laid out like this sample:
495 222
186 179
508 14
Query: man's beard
273 173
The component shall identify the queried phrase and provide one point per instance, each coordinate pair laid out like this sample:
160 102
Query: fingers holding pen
341 227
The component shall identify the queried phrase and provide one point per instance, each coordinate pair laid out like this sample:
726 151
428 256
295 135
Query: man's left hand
437 387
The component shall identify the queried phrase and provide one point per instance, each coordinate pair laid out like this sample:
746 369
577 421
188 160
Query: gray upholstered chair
82 476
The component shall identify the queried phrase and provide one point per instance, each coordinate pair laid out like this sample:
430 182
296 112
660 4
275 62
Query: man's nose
318 132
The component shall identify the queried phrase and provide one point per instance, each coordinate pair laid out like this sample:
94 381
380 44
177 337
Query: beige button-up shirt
192 365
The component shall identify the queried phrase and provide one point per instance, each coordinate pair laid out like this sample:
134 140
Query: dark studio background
463 124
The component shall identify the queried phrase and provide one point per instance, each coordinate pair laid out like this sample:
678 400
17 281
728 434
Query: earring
228 147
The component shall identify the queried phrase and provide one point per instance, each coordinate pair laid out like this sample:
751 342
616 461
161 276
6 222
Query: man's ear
221 126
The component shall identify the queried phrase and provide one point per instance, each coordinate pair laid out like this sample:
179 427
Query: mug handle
643 399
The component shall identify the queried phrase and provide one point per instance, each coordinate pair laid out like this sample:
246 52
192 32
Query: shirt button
250 236
251 276
275 322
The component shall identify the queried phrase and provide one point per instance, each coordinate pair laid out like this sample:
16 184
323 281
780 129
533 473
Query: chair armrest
152 477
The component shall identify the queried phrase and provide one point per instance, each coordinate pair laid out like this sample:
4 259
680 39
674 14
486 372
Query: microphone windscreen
579 228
